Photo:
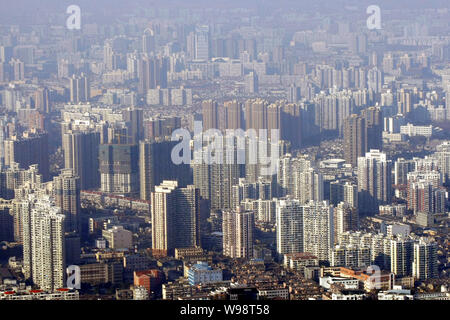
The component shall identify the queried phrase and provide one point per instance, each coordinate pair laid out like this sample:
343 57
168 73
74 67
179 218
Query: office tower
237 229
66 191
41 100
374 181
318 228
43 243
80 90
251 82
402 255
134 119
234 116
81 151
289 227
345 219
355 139
210 112
175 217
201 43
119 169
148 41
152 73
156 165
28 149
425 262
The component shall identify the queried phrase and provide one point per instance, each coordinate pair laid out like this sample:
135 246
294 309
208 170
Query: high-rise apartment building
80 90
43 243
308 185
234 116
355 139
210 112
175 217
425 263
289 222
81 149
305 228
345 219
201 43
238 233
374 181
251 82
28 149
402 255
362 133
374 127
42 100
119 169
148 41
318 228
134 119
152 73
66 191
156 165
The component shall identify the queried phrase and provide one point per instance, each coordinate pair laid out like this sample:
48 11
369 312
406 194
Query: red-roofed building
149 279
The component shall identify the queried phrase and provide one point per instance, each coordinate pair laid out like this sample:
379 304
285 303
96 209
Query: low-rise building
118 238
346 283
201 272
